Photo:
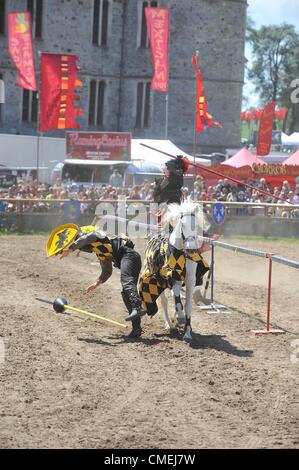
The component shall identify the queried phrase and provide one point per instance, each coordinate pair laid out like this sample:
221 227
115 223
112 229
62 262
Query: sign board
98 145
275 170
219 213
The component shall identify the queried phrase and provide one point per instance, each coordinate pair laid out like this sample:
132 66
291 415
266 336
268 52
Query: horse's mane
175 211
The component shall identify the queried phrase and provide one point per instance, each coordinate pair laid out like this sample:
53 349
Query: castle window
100 22
96 103
35 7
2 17
30 106
143 105
142 37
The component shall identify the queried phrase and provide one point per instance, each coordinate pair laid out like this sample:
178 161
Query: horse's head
189 223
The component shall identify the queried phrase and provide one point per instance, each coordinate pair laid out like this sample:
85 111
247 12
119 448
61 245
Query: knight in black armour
169 188
110 251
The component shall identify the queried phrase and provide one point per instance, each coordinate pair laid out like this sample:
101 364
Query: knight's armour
105 248
169 188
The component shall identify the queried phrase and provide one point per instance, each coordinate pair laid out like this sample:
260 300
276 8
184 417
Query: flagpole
166 96
194 134
37 158
38 122
166 116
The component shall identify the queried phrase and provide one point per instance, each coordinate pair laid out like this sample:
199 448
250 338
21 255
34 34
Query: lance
60 305
214 172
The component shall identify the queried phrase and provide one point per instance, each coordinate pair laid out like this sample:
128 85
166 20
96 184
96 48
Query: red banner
280 114
98 145
157 21
57 92
275 170
243 172
265 129
202 116
20 49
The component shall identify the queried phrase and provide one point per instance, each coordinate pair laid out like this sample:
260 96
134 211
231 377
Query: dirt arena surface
68 381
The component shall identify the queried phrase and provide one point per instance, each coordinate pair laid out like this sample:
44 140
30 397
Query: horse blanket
164 264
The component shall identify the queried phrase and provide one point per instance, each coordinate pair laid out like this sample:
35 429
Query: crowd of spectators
40 195
34 196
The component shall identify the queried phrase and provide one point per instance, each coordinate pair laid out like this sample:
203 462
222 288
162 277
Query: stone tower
116 69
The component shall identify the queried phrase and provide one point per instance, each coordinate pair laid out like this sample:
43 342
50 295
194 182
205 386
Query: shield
61 238
219 213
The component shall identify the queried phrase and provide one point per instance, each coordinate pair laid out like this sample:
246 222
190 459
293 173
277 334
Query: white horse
189 223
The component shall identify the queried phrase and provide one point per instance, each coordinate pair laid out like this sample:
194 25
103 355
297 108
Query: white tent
143 154
290 140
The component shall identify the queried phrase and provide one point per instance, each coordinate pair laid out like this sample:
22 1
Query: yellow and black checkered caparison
164 264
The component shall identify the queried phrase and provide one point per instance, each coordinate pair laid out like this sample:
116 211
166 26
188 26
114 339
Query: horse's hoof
180 321
173 330
187 338
188 334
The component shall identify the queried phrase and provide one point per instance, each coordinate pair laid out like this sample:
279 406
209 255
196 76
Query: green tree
275 52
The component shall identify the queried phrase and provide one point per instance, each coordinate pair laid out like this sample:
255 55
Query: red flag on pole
257 114
280 114
57 92
265 129
157 22
202 116
20 49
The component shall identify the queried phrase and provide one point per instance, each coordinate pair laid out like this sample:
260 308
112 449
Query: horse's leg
190 284
179 310
164 303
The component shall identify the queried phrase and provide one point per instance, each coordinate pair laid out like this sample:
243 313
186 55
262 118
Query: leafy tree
275 51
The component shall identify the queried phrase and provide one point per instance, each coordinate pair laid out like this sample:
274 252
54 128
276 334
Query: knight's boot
135 302
136 313
136 329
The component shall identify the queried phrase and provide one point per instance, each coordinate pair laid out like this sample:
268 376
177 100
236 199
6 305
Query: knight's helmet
178 165
64 235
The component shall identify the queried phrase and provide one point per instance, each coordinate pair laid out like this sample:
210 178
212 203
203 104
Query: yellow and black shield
60 238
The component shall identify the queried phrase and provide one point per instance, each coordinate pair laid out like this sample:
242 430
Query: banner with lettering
157 22
265 129
21 50
57 92
98 145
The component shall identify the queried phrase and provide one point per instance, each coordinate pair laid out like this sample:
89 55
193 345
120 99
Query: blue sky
267 12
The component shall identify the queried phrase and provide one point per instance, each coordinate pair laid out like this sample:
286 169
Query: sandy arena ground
68 381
